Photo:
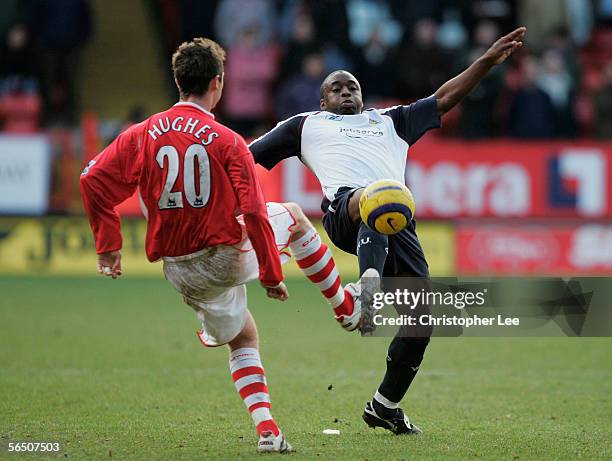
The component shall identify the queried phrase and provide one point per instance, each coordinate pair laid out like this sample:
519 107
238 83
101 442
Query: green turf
113 370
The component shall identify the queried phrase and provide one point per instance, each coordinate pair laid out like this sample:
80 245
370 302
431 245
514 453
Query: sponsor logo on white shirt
361 132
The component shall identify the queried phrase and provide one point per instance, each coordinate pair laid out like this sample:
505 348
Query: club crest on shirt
89 165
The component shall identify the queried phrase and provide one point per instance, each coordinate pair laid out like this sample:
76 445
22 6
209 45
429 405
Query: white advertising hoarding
25 163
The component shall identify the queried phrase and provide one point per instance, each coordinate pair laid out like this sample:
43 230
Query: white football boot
363 300
370 284
351 322
269 443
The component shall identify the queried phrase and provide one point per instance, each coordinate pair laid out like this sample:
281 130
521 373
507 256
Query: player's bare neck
205 101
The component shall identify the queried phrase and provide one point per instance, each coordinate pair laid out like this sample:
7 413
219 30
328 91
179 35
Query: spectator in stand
485 33
331 22
375 60
422 67
301 93
602 101
234 16
20 104
197 18
604 12
543 16
555 80
409 12
452 35
17 71
60 30
532 114
581 19
290 12
315 26
503 12
11 13
560 40
369 17
330 26
375 33
301 43
251 68
478 107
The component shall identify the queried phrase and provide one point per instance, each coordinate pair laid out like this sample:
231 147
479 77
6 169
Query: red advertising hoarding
457 179
582 249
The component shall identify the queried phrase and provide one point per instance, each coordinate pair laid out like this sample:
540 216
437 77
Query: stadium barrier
64 246
561 193
25 166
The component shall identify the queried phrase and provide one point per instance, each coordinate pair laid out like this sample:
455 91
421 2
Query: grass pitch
113 370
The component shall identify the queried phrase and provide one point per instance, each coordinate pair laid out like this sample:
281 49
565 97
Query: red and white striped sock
248 375
317 263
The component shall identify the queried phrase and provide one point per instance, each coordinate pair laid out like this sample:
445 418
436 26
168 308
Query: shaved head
341 93
334 76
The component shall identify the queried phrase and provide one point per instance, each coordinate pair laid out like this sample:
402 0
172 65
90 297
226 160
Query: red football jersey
194 175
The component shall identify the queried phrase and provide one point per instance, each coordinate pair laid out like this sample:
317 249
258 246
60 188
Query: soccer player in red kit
193 174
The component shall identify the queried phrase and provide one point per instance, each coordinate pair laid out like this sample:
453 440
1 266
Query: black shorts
405 255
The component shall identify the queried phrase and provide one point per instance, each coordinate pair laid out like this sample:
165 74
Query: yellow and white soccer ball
386 206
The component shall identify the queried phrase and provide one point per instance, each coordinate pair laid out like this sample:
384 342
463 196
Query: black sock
371 249
403 361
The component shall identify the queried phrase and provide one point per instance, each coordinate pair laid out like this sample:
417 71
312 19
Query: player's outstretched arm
457 88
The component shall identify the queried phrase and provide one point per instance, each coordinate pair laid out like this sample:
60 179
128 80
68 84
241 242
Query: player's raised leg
250 381
316 262
372 246
372 249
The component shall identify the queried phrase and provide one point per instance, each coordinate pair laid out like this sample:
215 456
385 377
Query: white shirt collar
197 106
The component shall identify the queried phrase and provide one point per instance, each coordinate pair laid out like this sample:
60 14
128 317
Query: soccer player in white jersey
348 148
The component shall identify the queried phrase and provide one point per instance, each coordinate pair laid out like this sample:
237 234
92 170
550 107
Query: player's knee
242 341
302 223
247 337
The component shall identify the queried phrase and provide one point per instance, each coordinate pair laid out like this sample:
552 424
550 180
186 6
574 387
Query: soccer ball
386 206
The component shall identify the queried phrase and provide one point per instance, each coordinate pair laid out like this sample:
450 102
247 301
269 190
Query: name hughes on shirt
179 124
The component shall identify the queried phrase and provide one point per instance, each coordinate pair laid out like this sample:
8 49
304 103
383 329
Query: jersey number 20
169 199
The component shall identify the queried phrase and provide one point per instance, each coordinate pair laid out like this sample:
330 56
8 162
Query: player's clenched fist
505 46
109 264
279 292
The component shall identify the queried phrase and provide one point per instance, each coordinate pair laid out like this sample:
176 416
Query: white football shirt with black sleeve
346 152
349 150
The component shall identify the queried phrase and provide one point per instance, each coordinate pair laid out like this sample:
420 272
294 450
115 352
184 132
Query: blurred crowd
559 85
42 41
